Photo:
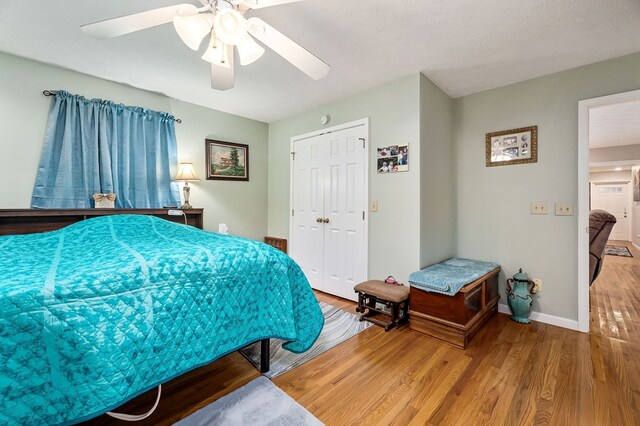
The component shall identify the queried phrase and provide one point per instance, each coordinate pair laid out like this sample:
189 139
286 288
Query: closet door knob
319 219
325 220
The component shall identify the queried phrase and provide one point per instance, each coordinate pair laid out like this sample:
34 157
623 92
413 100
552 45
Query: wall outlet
564 209
539 207
537 284
374 206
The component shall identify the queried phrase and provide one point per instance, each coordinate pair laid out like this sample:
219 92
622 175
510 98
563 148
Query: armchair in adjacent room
600 226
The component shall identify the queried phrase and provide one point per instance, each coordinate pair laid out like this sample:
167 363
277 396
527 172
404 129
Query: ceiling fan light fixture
249 51
225 21
216 53
230 26
192 28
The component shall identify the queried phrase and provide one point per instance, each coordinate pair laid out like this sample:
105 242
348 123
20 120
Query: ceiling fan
225 21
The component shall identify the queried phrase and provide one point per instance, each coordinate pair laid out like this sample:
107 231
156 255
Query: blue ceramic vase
520 297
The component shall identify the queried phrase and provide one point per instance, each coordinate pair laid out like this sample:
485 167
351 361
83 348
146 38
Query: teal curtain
95 146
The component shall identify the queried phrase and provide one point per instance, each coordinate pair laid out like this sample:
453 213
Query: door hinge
362 214
293 155
292 213
362 139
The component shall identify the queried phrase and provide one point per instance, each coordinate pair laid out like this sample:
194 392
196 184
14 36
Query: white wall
437 175
394 231
621 176
635 226
614 153
23 117
494 220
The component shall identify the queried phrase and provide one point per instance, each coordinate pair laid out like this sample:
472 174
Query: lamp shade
186 173
192 28
230 26
249 51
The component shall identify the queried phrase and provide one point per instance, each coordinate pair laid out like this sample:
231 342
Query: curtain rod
54 92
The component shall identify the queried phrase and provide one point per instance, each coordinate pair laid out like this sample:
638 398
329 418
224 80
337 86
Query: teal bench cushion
451 275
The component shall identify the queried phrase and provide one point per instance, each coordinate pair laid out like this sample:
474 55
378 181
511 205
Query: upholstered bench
452 300
377 297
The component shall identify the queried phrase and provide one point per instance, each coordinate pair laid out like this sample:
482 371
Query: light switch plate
374 205
538 284
564 209
539 207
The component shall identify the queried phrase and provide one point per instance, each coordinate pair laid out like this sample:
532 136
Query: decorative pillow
104 201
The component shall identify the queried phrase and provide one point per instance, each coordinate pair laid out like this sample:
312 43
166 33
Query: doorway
614 159
329 196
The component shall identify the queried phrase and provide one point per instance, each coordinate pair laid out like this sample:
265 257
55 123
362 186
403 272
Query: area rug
259 402
338 327
617 251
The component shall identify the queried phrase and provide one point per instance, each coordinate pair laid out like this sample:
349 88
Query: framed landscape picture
227 160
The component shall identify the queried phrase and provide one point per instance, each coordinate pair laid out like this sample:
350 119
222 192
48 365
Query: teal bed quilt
103 310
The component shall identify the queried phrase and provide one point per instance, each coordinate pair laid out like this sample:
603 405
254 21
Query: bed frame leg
264 355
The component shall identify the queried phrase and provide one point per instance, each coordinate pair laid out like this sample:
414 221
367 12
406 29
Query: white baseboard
545 318
635 245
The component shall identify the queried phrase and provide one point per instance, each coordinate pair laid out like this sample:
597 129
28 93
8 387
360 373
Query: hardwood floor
615 300
511 374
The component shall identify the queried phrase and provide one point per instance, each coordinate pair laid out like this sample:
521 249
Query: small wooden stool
374 295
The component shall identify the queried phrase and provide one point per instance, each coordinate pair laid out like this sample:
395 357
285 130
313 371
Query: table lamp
186 174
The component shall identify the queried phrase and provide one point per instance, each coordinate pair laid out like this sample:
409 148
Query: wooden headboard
31 221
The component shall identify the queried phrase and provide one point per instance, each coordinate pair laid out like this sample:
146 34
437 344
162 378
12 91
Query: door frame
350 125
629 202
583 196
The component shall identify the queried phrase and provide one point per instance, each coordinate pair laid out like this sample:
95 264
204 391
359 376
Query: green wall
493 203
415 223
393 112
437 175
23 117
448 203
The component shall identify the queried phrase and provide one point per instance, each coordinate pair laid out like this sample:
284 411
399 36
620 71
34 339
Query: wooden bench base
455 319
370 307
377 299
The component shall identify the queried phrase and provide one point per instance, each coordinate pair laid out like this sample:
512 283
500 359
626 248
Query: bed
100 311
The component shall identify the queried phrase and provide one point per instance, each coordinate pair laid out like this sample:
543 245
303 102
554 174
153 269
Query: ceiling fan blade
259 4
138 21
222 78
288 49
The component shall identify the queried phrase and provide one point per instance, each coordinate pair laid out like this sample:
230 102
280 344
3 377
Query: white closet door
308 204
344 206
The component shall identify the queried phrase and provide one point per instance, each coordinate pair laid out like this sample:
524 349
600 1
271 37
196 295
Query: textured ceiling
615 125
464 46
